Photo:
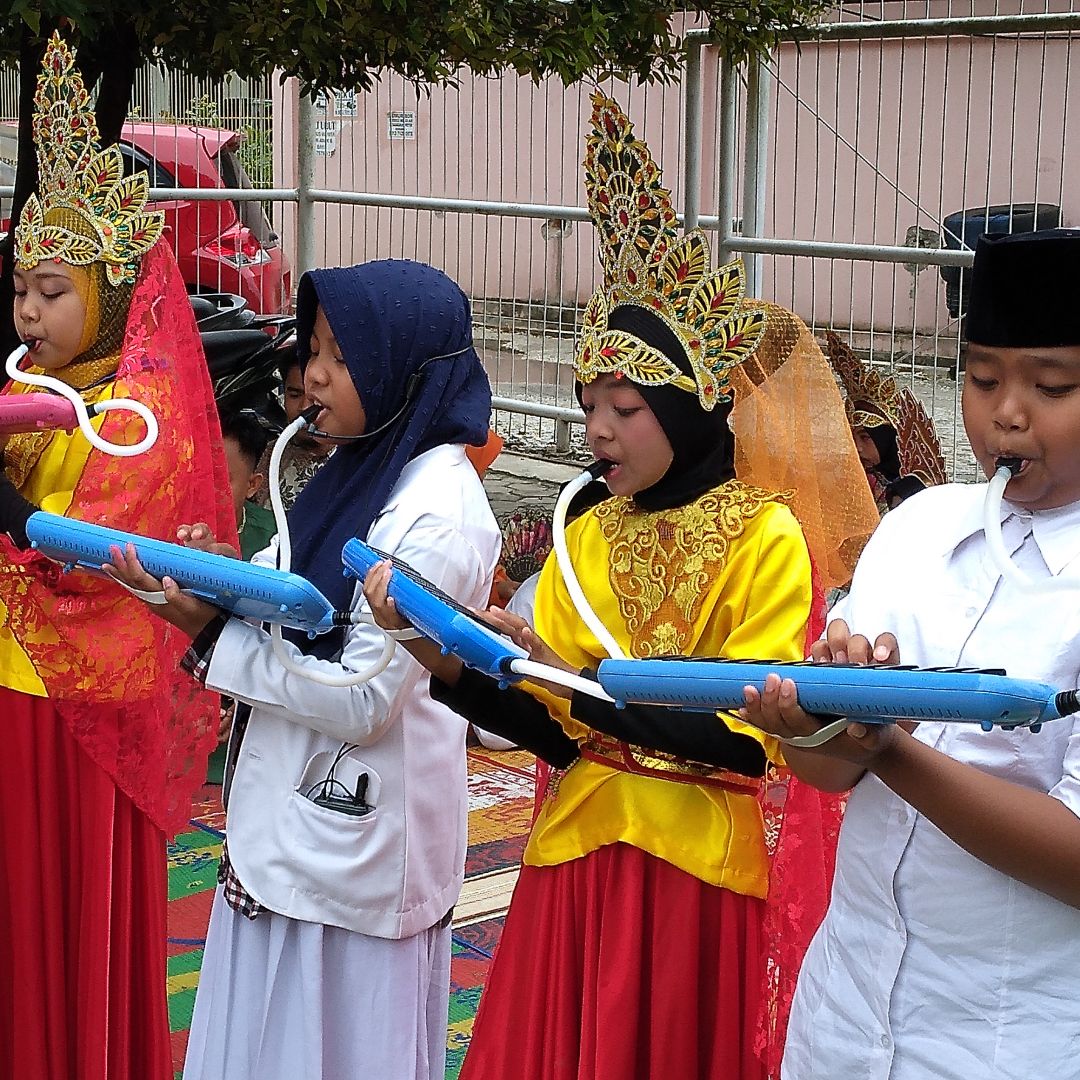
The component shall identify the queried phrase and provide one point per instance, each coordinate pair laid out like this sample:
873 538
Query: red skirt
82 912
619 966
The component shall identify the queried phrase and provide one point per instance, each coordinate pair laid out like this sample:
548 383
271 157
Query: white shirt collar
1056 531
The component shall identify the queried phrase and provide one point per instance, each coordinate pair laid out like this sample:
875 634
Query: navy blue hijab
392 319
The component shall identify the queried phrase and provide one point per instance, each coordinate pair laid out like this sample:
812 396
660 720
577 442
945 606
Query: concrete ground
514 480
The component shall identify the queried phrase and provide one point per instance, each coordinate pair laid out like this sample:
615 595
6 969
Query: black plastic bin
963 229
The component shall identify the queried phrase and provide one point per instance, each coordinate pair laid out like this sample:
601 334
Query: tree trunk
31 51
114 58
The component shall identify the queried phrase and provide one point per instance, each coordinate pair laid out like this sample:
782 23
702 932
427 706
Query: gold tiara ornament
646 264
88 211
873 399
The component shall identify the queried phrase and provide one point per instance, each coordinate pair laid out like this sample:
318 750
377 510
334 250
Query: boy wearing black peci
952 943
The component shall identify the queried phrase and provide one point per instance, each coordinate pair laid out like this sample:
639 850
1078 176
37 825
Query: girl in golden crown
896 440
640 942
104 742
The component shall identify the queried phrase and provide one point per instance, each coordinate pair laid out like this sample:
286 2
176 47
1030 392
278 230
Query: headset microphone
412 387
311 429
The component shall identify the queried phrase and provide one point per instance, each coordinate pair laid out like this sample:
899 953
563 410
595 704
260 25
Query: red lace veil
109 665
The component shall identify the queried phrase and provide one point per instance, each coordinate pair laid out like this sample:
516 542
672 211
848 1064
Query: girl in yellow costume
640 942
103 742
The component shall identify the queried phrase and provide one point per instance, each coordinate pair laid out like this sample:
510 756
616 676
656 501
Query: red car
221 246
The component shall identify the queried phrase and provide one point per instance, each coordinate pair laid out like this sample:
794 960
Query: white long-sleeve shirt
930 965
397 870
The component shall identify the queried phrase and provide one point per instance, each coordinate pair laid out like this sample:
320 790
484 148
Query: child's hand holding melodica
776 709
447 668
200 537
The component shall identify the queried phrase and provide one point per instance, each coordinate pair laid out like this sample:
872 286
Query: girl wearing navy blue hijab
328 952
403 332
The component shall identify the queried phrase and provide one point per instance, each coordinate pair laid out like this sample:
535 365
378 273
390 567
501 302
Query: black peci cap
1025 290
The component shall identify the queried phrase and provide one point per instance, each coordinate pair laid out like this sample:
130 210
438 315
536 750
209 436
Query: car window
135 160
251 214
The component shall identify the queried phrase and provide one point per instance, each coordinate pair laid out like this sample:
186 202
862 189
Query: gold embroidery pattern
626 757
646 264
14 576
663 561
88 211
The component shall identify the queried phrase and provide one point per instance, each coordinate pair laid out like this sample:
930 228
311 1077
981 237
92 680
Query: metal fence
832 168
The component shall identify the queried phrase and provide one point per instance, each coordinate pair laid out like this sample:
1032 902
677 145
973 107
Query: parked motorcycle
245 354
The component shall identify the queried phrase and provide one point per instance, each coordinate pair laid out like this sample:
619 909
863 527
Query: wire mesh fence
852 171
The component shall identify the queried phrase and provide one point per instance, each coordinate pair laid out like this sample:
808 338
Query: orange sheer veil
109 666
792 434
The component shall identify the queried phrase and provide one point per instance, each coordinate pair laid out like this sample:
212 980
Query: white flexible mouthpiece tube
532 669
348 678
995 492
562 555
95 440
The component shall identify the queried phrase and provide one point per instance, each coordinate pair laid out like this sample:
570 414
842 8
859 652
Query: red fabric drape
108 664
802 828
82 912
648 972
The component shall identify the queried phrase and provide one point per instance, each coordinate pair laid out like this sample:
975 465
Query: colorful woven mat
500 810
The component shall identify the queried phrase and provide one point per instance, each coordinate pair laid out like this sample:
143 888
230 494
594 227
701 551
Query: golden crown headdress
873 399
647 264
88 211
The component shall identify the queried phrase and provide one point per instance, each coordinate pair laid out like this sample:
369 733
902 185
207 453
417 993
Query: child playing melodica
952 943
636 941
328 952
104 742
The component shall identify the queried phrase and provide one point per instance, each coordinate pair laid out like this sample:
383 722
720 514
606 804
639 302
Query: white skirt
281 999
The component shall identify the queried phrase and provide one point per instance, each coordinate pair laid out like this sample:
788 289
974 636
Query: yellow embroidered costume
728 574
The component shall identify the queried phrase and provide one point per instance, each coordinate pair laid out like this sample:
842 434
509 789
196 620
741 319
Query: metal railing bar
972 26
857 252
210 194
456 206
755 244
535 408
692 93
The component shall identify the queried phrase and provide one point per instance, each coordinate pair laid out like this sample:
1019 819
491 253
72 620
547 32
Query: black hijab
703 444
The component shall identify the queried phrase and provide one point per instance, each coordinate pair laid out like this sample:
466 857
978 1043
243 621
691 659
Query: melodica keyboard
238 587
985 696
437 616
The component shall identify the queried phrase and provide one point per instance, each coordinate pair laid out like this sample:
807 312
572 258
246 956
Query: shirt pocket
334 849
